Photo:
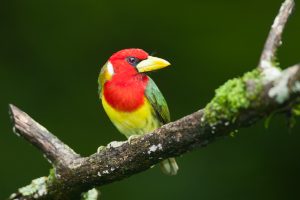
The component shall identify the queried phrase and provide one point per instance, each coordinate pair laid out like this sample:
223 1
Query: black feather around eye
132 60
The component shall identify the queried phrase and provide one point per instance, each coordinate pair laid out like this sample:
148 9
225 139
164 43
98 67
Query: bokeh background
50 56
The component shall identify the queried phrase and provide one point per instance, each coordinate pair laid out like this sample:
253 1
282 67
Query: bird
131 99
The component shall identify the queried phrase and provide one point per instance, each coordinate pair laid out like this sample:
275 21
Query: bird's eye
133 60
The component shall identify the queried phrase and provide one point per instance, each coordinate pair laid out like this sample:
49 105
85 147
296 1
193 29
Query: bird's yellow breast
138 122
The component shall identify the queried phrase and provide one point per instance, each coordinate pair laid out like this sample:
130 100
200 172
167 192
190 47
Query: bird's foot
115 144
132 137
101 148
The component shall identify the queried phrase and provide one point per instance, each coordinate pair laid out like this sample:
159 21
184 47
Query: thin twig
57 153
274 38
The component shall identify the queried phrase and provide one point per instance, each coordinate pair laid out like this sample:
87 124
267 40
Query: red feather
126 93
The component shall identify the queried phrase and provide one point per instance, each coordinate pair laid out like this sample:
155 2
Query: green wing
157 101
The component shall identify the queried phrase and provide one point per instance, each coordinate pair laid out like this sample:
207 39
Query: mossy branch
238 103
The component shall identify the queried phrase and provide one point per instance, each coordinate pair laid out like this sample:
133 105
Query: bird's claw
101 148
115 144
132 137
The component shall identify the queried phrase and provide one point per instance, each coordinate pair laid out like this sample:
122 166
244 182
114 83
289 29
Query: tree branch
238 103
268 55
57 153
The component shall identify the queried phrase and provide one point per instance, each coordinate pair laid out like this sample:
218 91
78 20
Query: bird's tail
169 166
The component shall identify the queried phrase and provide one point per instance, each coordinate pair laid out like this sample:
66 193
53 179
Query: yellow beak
152 63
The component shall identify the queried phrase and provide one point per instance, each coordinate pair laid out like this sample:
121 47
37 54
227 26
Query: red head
129 62
133 61
124 87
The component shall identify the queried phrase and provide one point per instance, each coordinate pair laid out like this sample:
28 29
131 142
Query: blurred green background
50 56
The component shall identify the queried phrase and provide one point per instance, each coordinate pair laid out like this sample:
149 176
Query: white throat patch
110 68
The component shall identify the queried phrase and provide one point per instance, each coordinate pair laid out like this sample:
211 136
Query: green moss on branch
232 97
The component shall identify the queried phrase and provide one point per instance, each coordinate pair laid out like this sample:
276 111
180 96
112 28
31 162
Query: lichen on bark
37 188
92 194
